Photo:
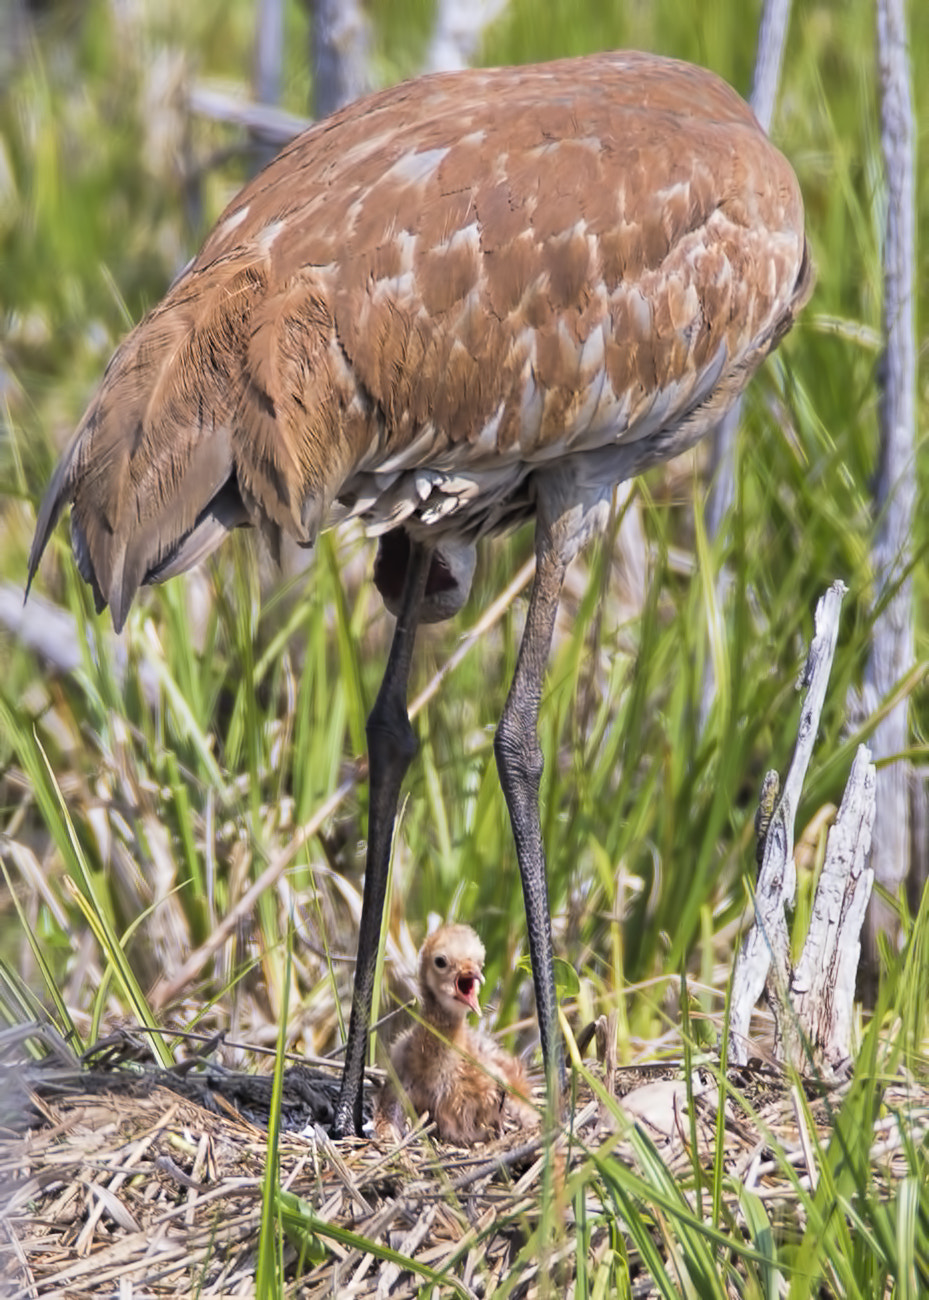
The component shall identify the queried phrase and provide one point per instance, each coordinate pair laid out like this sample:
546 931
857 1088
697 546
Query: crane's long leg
519 762
391 748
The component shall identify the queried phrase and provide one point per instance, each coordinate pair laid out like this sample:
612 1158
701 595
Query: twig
339 54
895 495
458 31
813 1005
51 633
268 56
263 121
267 65
771 41
772 36
491 615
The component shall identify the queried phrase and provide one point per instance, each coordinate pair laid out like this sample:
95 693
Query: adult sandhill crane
468 301
469 1084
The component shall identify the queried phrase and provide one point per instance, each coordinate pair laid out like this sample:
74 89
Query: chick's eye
441 962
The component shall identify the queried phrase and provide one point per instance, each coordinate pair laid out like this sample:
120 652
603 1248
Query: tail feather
57 496
150 473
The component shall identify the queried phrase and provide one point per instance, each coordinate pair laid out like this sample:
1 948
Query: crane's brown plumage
431 295
470 1086
469 300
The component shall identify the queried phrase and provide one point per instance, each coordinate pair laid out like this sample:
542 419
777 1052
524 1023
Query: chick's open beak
467 987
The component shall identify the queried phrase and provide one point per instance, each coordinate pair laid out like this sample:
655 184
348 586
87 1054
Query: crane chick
469 1085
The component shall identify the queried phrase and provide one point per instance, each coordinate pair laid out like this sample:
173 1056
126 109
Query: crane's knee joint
518 758
390 744
391 738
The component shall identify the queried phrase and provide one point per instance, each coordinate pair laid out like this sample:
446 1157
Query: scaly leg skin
391 748
519 762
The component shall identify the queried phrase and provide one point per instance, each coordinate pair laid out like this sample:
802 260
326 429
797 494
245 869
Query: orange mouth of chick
466 990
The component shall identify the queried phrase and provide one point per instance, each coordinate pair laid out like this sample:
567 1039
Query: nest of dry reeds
124 1178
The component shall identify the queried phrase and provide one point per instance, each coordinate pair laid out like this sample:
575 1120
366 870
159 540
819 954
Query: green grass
147 824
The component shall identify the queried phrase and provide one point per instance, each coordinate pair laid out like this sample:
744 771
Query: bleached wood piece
767 942
772 37
341 67
895 494
263 121
268 53
458 31
818 1018
267 65
52 634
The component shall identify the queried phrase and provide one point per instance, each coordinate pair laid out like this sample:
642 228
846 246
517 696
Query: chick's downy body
469 1085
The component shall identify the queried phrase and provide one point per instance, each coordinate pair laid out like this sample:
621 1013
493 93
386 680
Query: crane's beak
467 987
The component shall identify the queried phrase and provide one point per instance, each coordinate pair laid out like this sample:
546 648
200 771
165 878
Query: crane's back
432 296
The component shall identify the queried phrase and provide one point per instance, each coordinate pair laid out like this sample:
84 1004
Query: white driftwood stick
263 121
340 52
892 651
267 66
458 31
767 941
52 634
772 37
268 52
818 1019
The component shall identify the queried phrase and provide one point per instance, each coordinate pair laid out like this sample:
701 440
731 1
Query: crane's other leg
519 762
391 748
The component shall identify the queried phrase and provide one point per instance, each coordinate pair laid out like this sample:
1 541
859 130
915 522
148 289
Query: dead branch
457 32
895 495
822 990
812 1005
262 121
51 633
339 53
771 39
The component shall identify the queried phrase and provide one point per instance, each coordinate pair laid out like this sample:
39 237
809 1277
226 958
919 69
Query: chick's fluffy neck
451 1022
